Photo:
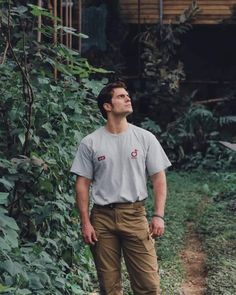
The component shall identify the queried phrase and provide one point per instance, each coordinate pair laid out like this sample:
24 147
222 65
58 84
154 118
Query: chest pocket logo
134 154
101 158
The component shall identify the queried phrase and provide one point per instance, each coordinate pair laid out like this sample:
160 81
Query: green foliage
189 133
162 69
41 122
193 140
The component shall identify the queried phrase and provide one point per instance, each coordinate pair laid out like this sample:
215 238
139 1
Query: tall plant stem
27 87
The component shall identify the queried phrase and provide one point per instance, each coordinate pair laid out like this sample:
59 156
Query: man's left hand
157 227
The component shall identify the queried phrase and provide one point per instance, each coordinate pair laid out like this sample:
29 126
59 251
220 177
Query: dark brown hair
106 93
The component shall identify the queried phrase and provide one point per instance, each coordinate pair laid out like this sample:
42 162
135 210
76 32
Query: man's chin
129 112
124 114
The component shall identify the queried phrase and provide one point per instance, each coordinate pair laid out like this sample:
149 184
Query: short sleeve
156 159
82 164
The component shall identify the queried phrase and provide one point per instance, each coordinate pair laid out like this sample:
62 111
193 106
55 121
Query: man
115 160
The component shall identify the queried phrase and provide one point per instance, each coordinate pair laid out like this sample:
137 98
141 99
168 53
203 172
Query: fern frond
226 120
201 113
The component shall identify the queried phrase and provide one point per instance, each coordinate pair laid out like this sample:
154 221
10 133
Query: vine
41 122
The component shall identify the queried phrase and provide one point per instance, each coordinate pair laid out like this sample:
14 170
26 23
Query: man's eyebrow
123 94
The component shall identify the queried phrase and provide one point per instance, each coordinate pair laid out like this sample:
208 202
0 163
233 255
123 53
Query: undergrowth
208 200
217 226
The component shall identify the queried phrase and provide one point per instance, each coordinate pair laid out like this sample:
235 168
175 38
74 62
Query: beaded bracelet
157 215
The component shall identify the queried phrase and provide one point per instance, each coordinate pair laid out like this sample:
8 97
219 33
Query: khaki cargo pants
124 229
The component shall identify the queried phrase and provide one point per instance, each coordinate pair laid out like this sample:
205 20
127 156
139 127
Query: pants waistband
136 204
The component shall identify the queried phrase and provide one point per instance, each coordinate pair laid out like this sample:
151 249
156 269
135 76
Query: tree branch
213 100
4 53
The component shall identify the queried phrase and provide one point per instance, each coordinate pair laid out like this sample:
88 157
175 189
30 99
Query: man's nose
128 98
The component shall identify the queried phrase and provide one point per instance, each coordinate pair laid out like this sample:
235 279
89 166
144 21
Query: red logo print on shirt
134 154
101 158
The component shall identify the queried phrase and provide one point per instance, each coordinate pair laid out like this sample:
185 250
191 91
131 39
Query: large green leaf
39 11
4 245
11 267
11 237
34 282
3 288
76 290
3 198
6 221
6 290
7 184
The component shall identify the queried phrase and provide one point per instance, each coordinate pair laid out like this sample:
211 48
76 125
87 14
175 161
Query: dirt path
194 263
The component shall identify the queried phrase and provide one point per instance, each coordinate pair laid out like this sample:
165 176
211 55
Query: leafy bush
162 69
193 139
41 121
190 133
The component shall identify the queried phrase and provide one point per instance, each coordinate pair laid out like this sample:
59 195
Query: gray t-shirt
118 164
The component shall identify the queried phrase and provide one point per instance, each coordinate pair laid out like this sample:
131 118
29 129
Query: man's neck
116 126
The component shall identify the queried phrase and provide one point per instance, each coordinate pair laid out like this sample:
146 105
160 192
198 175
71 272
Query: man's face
120 103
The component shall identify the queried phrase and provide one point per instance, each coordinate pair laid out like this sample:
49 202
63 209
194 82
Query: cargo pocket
146 240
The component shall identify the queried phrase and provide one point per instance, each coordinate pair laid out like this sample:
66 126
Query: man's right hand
89 234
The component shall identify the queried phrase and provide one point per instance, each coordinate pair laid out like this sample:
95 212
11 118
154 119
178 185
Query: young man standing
115 160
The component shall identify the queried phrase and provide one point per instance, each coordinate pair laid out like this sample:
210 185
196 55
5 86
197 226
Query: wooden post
55 31
70 22
139 32
79 24
55 22
62 21
39 34
67 23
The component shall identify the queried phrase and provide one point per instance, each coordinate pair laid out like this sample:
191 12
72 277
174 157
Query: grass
207 199
185 194
217 225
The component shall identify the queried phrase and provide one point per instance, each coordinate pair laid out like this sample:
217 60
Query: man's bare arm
82 201
157 225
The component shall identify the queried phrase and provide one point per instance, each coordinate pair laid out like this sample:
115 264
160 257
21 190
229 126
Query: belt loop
139 204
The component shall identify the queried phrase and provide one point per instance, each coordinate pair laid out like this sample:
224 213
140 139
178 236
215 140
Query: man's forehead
118 91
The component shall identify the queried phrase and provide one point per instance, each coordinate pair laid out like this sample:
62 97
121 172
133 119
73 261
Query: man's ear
107 106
